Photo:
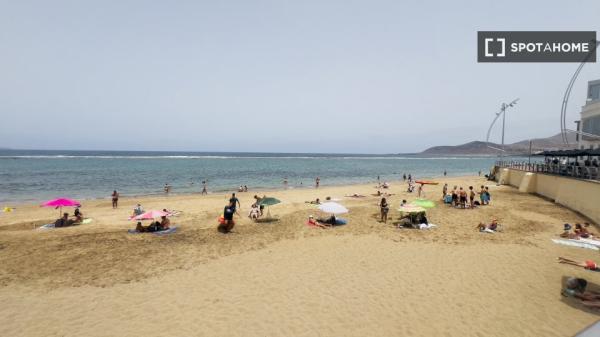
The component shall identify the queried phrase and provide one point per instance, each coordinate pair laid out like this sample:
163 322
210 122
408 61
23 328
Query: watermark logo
536 46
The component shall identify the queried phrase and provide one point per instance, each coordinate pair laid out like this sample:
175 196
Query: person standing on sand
384 208
444 191
204 191
234 202
420 190
488 196
317 182
115 199
471 197
454 196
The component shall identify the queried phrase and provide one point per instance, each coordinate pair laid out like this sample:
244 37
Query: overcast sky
275 76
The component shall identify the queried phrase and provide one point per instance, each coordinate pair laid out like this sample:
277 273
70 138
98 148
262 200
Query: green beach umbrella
268 202
424 203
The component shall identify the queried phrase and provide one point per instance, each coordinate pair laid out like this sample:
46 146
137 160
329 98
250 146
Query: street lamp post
502 112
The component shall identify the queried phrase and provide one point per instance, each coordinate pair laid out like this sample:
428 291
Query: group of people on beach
461 198
65 221
577 287
579 232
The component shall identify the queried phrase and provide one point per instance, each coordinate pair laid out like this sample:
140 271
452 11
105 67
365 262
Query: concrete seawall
579 195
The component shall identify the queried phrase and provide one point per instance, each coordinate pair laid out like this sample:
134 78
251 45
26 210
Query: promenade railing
559 169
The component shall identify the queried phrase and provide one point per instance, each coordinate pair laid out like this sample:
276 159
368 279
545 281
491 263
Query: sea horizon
31 176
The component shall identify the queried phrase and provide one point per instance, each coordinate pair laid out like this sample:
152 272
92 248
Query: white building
590 118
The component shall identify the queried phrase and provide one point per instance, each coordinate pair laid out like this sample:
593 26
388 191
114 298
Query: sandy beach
284 278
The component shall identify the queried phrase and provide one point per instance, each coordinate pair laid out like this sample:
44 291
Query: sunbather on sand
64 221
581 231
314 202
589 264
316 223
356 195
575 287
567 233
156 226
491 228
171 212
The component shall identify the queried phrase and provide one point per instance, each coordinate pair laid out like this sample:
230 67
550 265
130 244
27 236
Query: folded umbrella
426 182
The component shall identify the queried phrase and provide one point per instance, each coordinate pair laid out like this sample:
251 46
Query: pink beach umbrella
150 215
60 203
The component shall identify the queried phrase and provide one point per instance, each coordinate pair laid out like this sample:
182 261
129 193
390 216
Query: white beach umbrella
333 208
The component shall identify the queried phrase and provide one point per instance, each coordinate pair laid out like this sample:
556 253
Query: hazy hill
522 147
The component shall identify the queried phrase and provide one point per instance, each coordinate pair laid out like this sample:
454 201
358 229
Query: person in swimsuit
471 197
581 231
312 222
317 182
384 209
454 197
444 191
492 227
589 264
234 201
462 197
64 221
78 215
138 210
115 199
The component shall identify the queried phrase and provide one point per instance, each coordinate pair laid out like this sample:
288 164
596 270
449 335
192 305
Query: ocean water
34 176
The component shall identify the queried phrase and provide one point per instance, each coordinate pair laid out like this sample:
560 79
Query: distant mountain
519 148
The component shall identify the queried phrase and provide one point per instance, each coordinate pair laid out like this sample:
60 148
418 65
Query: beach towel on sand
51 225
172 229
427 226
575 243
